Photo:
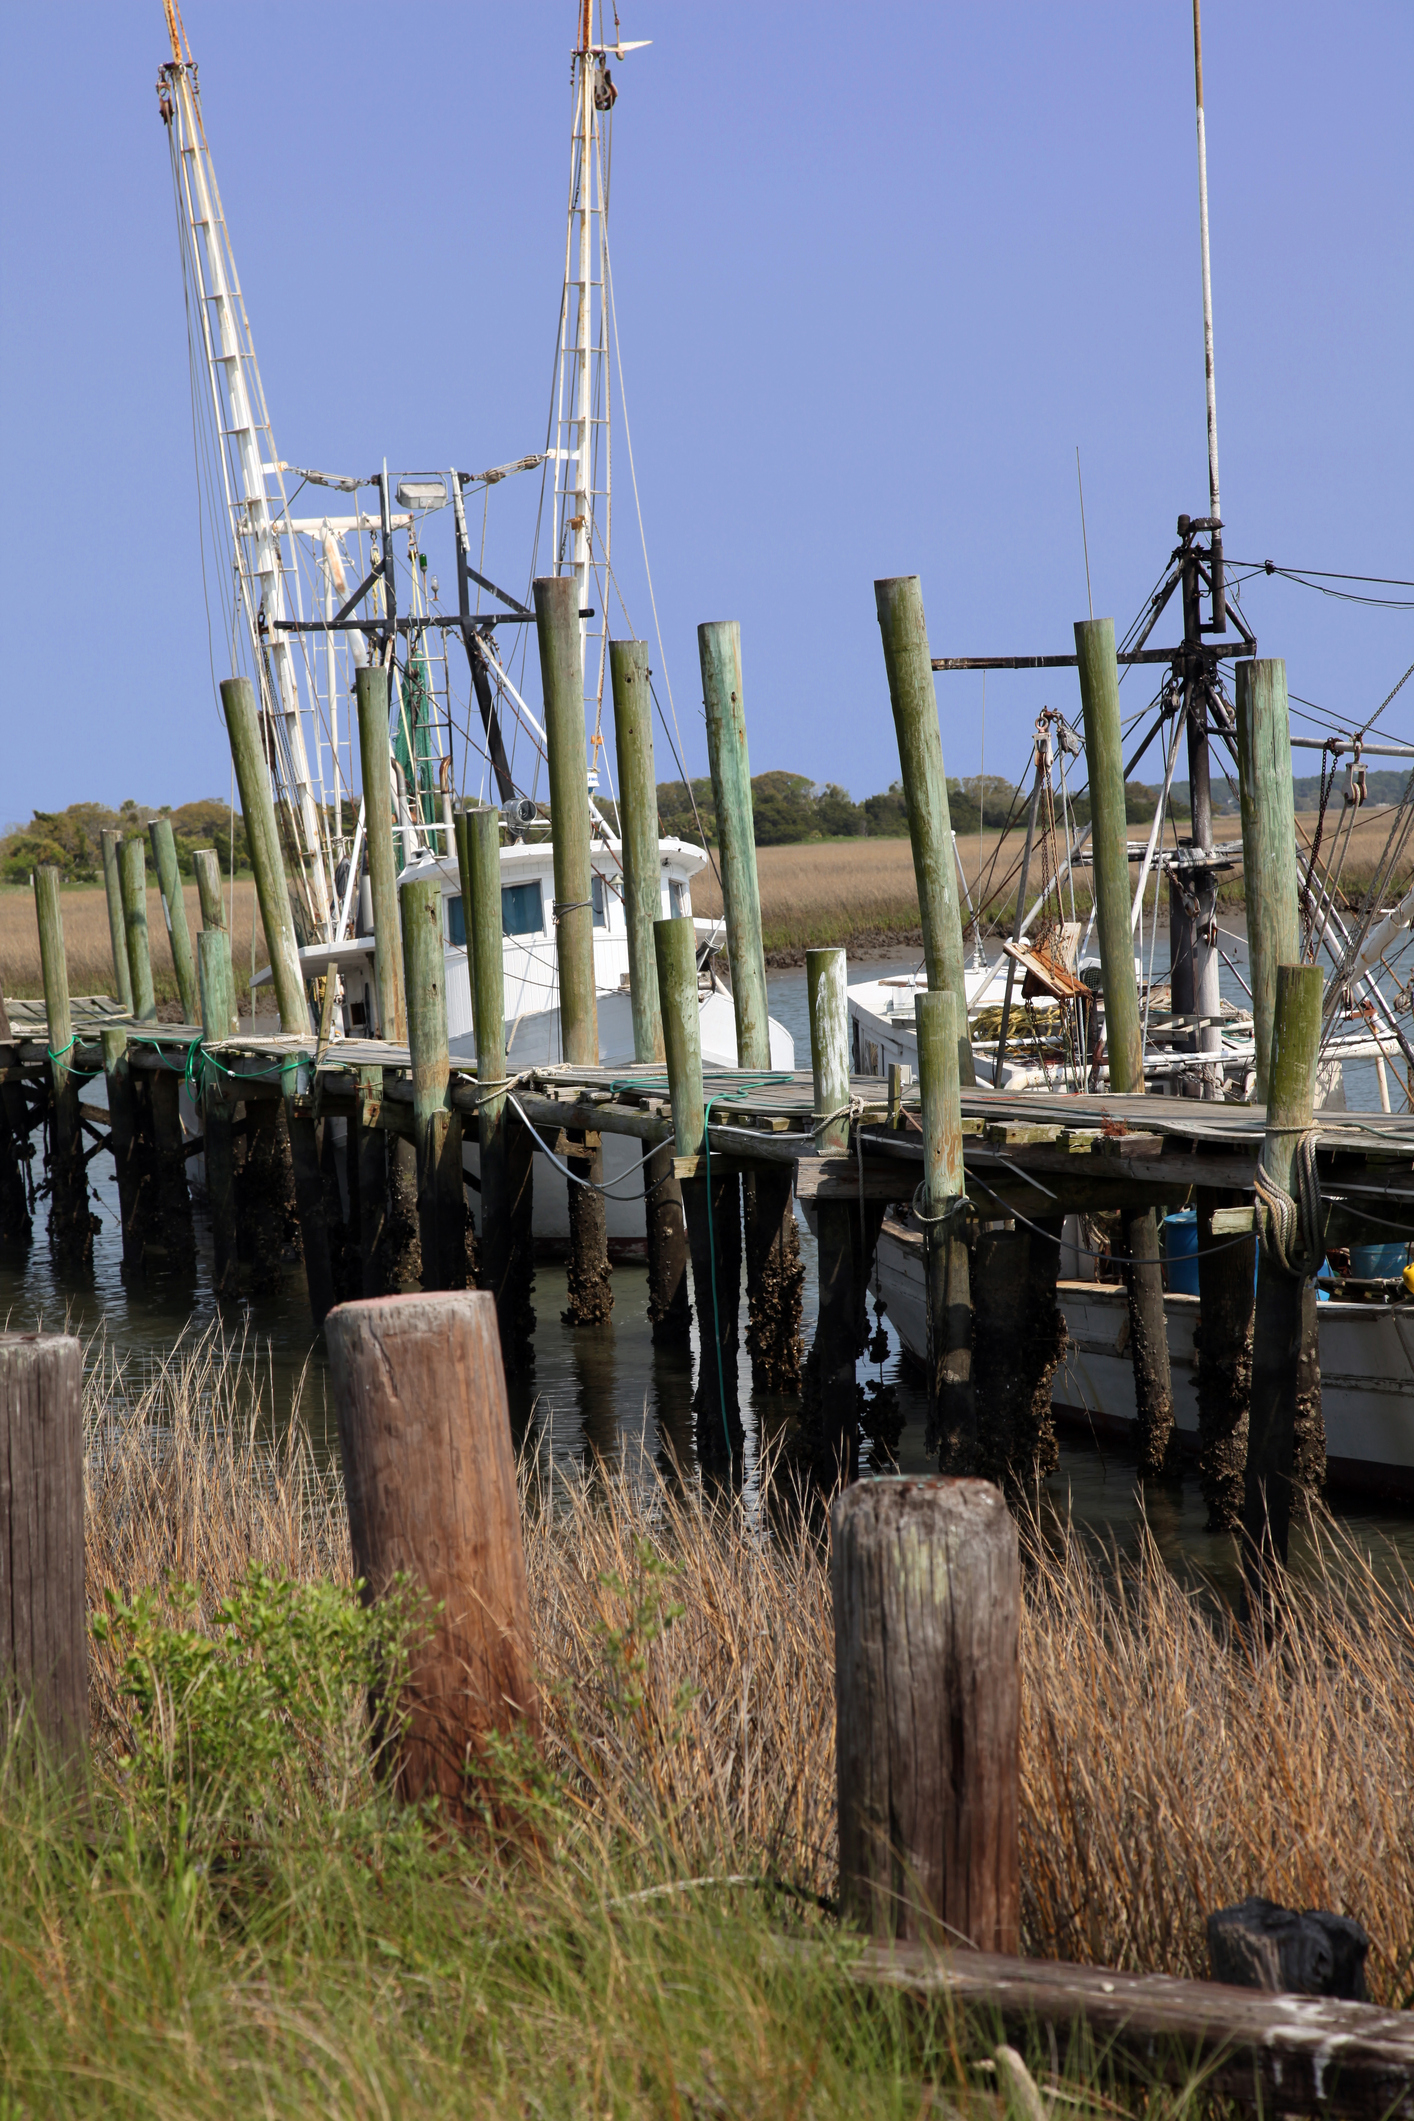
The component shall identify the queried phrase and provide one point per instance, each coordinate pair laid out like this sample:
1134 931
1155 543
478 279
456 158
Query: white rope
1292 1232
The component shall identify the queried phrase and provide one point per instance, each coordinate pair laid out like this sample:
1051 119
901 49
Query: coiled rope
1292 1231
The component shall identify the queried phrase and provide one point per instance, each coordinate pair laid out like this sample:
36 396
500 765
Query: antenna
1215 507
1085 542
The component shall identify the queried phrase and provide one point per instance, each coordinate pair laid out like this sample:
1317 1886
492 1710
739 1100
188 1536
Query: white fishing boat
321 594
1366 1353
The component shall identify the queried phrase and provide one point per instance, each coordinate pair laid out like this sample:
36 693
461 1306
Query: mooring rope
1292 1232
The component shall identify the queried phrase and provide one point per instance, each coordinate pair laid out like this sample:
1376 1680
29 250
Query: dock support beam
217 986
1104 754
169 881
830 1413
952 1410
775 1278
591 1296
441 1188
669 1311
507 1266
117 928
1285 1266
715 1280
70 1227
913 696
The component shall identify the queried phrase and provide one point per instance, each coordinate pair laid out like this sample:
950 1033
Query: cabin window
522 909
677 897
596 893
456 922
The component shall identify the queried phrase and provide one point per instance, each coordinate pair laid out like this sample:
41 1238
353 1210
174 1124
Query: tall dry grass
88 945
687 1656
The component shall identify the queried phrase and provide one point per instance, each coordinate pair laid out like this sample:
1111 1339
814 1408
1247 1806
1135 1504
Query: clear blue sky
879 270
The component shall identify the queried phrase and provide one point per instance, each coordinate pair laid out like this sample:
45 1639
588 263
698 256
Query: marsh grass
88 946
345 1958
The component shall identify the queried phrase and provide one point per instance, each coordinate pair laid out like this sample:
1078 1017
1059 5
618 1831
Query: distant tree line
69 839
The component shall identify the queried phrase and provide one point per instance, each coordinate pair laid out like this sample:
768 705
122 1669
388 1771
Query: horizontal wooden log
1288 2054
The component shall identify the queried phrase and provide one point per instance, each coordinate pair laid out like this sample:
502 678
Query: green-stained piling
375 765
830 1411
591 1296
132 878
70 1229
913 696
217 988
952 1413
263 841
206 868
1291 1250
117 927
441 1198
174 909
1268 841
669 1312
713 1237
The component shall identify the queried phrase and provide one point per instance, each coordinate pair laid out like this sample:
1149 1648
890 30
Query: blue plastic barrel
1181 1251
1378 1262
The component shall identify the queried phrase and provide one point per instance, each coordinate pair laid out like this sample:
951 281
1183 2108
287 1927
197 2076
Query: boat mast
254 487
1214 504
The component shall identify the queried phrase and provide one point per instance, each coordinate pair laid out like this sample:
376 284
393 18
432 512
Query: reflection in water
602 1394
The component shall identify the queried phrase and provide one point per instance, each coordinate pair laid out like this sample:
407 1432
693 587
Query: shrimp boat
313 596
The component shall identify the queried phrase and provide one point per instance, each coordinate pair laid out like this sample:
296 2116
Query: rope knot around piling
853 1111
560 907
1292 1231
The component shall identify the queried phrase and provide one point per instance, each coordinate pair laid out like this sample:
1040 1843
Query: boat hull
1366 1350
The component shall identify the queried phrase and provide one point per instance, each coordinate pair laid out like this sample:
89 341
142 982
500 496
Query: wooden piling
591 1296
16 1221
669 1311
715 1285
441 1192
70 1226
1223 1347
926 1580
371 686
1104 755
43 1615
206 867
368 1149
217 987
132 878
952 1410
174 909
775 1278
117 926
429 1474
507 1267
263 841
830 1411
913 696
1290 1254
1268 842
127 1138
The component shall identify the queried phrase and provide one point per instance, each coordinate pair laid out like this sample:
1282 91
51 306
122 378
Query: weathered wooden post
43 1619
913 696
70 1227
926 1578
217 995
169 879
1104 756
669 1311
127 1136
117 926
591 1296
263 841
206 867
508 1265
132 879
831 1395
1292 1244
441 1192
1225 1267
775 1278
429 1473
952 1410
716 1260
396 1255
16 1221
